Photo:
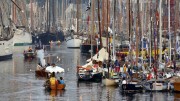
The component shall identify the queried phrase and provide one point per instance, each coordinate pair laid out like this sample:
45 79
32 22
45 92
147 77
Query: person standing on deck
117 66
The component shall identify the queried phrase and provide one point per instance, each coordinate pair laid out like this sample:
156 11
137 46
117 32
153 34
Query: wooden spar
160 31
31 14
151 22
107 34
100 31
169 31
120 17
176 26
142 28
137 32
114 20
103 13
77 15
14 12
62 12
92 25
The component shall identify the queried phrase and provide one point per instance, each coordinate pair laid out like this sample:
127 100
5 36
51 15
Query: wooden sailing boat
22 36
48 34
111 80
92 71
6 32
90 45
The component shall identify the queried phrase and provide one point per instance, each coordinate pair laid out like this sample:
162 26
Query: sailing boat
113 79
6 34
91 44
73 37
21 36
49 31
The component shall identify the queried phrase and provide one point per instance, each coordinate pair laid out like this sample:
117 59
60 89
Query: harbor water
18 81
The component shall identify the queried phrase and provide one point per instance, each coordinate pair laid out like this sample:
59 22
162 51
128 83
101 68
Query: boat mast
176 26
14 12
137 32
169 30
31 14
151 21
107 35
77 16
100 31
92 26
142 29
114 20
160 31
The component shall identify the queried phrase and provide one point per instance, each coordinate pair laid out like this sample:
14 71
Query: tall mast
176 26
169 30
151 33
100 31
31 13
77 15
114 20
92 24
107 33
137 32
14 12
160 31
142 29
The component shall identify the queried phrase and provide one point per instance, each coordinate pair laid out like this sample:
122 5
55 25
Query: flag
157 15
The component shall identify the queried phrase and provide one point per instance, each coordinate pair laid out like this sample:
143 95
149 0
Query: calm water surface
18 81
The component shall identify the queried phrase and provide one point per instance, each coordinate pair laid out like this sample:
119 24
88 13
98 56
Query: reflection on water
177 97
18 81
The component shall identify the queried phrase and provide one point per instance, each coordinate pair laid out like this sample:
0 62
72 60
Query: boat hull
90 77
177 86
86 48
6 49
73 43
58 87
155 86
29 55
41 73
45 38
22 38
131 87
5 57
109 82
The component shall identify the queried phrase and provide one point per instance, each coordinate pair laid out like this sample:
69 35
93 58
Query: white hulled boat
22 38
6 43
73 40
